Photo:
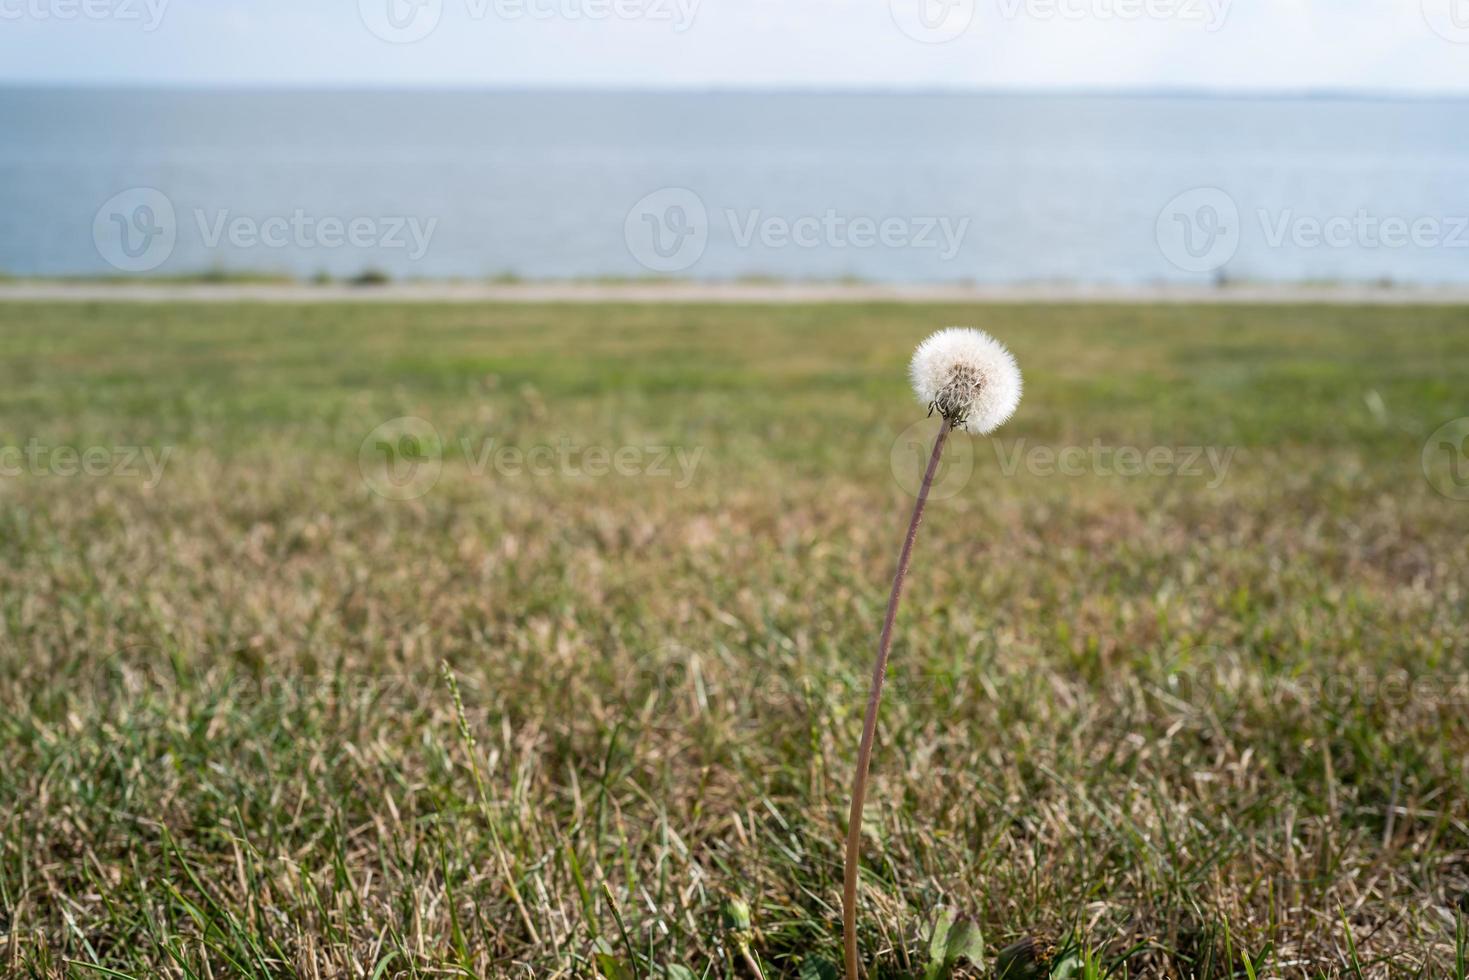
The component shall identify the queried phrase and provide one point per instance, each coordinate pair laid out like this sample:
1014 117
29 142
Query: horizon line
352 86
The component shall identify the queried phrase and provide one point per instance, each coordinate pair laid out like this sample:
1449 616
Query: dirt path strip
693 292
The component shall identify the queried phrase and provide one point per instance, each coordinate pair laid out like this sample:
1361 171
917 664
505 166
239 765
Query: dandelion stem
869 723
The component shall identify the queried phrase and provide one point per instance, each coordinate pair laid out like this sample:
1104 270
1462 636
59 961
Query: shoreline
728 292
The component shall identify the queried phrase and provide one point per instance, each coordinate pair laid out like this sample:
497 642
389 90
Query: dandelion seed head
968 377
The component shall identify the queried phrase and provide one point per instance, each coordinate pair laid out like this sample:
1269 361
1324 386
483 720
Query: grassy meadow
1180 687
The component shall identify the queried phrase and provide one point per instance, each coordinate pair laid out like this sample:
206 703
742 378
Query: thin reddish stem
869 723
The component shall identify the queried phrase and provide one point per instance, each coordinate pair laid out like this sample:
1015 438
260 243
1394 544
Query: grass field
1206 720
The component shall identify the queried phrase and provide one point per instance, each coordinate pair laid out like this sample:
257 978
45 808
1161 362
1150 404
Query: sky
1387 46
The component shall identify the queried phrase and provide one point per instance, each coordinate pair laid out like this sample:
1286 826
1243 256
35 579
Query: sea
917 187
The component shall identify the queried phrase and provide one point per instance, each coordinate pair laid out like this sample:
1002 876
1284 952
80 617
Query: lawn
1180 686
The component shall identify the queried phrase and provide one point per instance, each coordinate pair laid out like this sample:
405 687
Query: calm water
879 187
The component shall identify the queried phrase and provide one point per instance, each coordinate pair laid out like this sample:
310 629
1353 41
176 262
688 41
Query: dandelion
973 383
968 377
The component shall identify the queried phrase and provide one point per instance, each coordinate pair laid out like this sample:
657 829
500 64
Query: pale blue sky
1379 45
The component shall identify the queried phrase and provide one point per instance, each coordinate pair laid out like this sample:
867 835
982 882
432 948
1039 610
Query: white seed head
968 377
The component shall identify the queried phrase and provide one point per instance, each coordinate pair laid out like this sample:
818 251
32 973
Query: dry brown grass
1172 726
